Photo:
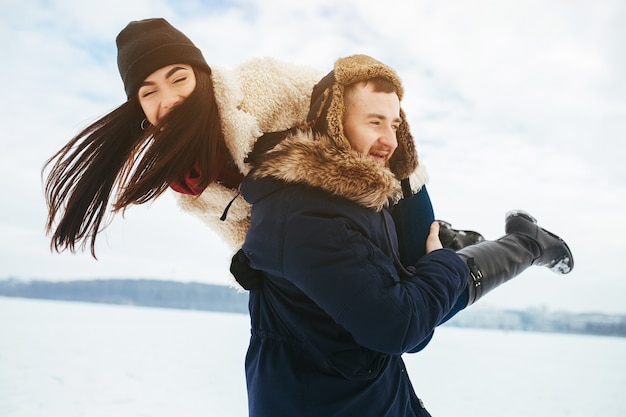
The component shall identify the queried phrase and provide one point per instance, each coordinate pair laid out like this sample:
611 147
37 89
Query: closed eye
147 93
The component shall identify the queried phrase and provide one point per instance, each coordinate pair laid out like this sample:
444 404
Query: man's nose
389 138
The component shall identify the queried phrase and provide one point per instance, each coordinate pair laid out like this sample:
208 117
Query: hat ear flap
404 160
320 102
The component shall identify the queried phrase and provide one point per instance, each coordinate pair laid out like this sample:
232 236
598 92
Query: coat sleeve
356 283
260 96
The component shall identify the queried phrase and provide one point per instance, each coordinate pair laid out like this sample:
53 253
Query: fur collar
318 162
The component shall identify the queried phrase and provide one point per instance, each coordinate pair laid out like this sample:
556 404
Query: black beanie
144 46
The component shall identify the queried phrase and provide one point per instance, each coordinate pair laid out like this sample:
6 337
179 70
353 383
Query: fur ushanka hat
327 108
144 46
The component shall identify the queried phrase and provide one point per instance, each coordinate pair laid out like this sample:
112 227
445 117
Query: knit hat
327 108
144 46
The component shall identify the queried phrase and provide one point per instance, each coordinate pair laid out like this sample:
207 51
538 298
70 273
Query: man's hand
432 241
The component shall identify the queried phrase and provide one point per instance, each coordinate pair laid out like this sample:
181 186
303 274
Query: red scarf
224 175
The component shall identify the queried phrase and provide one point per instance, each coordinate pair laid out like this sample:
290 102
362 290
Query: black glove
248 277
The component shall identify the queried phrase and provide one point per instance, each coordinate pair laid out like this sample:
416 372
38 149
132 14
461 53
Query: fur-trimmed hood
317 161
328 107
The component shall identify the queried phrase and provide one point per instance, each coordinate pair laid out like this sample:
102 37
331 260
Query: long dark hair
114 155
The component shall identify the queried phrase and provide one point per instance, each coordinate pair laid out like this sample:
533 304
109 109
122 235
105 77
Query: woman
185 125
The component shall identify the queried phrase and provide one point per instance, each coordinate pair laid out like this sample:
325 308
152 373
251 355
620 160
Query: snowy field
60 359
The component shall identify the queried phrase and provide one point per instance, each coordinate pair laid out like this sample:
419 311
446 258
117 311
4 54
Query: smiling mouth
379 156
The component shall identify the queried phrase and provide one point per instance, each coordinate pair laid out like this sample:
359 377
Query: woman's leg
492 263
413 217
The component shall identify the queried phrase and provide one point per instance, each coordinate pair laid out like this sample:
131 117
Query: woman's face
164 89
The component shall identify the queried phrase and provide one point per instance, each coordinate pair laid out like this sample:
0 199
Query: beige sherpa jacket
260 96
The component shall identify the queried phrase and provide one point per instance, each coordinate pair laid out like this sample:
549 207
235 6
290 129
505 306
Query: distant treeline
198 296
139 292
541 320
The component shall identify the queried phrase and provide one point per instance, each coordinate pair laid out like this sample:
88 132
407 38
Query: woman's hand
432 241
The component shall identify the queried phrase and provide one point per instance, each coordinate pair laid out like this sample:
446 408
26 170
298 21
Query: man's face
371 121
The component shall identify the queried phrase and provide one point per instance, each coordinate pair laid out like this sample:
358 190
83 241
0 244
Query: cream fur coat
262 95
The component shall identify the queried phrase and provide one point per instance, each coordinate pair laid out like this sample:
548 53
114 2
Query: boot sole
521 213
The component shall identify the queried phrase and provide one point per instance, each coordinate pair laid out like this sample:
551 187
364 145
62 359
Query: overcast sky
513 104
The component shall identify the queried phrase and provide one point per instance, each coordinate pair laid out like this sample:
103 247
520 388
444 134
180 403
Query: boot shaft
492 263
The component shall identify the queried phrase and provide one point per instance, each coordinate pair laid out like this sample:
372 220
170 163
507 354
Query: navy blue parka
335 310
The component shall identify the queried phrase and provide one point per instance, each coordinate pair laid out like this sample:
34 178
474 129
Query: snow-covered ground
76 359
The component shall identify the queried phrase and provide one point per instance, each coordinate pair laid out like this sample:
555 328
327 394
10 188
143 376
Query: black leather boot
493 263
457 239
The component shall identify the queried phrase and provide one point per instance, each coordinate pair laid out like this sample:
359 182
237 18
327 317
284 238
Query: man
334 309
